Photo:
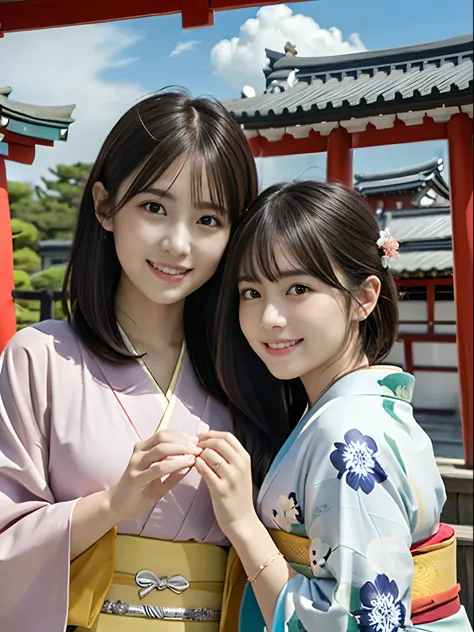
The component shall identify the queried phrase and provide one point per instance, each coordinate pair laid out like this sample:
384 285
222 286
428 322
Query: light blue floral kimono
358 477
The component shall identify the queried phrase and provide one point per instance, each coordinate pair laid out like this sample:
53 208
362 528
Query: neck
317 381
149 326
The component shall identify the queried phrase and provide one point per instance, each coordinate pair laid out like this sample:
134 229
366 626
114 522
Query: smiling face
297 324
168 243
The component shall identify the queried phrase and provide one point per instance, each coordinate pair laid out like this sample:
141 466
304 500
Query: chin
283 372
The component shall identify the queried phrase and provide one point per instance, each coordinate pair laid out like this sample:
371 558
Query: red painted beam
427 337
42 14
434 281
21 153
19 139
398 134
314 143
223 5
435 369
371 137
7 306
461 187
196 13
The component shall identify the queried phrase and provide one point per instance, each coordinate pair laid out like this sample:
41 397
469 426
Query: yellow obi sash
107 571
434 574
434 566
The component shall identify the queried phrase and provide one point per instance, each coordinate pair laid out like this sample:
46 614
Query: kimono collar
388 381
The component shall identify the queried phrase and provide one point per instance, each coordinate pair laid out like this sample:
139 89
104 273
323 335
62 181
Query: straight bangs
214 160
281 226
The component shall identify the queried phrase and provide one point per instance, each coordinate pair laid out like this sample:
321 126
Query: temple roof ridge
427 52
424 169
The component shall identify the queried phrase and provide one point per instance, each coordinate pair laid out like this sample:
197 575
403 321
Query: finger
164 468
228 437
165 436
174 479
164 450
221 447
216 462
210 477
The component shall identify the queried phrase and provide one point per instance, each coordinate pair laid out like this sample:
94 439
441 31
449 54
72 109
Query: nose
177 241
272 318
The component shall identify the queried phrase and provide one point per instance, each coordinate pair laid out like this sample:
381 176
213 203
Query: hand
225 467
155 466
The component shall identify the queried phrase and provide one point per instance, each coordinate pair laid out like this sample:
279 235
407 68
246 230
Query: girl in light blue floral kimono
309 301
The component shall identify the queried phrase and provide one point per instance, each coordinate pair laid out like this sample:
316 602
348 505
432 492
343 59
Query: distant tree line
39 213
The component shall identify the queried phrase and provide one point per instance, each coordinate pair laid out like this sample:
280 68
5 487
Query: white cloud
239 61
183 47
62 66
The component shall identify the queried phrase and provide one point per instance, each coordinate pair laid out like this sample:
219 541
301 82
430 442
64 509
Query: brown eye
249 295
209 220
298 289
154 207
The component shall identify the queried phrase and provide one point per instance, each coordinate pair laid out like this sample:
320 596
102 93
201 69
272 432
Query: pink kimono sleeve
34 529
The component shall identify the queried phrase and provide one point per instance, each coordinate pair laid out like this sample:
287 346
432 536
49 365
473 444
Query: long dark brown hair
146 140
322 228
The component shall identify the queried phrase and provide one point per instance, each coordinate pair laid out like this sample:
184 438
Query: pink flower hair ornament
389 245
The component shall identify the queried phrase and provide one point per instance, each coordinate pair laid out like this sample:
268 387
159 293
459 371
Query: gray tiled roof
361 84
52 116
428 262
416 226
425 237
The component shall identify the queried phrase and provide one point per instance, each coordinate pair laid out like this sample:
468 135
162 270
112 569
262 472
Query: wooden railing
46 299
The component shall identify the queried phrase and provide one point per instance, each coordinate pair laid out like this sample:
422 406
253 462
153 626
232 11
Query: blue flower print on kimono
381 610
289 516
366 488
356 458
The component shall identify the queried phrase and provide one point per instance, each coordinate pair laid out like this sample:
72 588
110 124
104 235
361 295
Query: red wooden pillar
339 157
459 130
7 307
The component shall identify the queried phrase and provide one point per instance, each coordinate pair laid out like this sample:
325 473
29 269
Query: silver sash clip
157 612
148 581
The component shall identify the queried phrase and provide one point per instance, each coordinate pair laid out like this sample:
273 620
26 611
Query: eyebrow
284 274
203 205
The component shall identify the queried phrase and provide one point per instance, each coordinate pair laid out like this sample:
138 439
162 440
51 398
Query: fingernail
194 440
190 457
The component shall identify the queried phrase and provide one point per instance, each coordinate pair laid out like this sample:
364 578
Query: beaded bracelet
263 566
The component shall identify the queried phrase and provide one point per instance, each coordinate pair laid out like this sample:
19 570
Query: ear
367 295
101 201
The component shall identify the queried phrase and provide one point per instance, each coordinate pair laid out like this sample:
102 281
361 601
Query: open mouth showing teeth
283 345
166 270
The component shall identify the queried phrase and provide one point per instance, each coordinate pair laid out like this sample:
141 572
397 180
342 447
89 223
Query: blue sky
104 68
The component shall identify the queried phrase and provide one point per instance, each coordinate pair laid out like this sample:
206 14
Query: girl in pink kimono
99 414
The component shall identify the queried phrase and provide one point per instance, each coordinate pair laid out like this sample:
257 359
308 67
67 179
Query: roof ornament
275 87
292 78
290 50
248 92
